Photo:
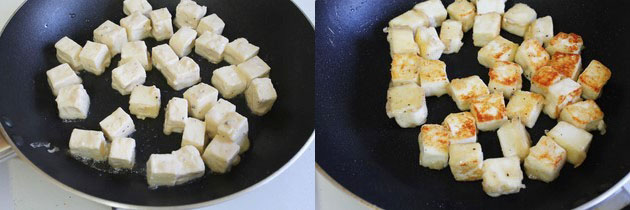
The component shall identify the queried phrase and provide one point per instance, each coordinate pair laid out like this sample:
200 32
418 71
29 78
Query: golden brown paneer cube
593 79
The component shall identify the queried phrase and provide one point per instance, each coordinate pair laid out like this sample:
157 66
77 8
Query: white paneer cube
431 47
433 141
227 81
405 69
220 154
200 99
585 115
211 23
61 76
161 24
253 68
569 65
502 176
463 90
543 78
235 127
505 78
137 25
565 43
489 111
433 77
88 144
517 19
451 35
136 51
195 134
410 19
525 106
486 28
122 153
95 57
145 102
531 56
183 74
117 125
560 95
188 13
540 29
216 114
183 41
514 139
401 41
239 50
574 140
489 6
593 79
73 102
499 49
163 56
175 115
127 77
461 127
211 46
434 10
112 35
68 52
545 160
191 162
132 6
464 12
260 96
407 104
162 170
466 161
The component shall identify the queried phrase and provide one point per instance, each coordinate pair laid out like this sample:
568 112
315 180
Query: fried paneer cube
573 139
486 28
531 56
463 90
464 12
545 160
407 104
433 77
499 49
401 41
540 29
433 141
569 65
525 106
585 115
489 111
517 19
431 47
505 78
593 79
466 161
543 78
560 95
405 68
566 43
514 139
502 176
461 127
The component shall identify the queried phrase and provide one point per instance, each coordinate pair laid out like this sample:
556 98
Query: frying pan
29 115
371 156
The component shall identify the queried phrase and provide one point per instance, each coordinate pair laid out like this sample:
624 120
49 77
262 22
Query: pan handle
617 197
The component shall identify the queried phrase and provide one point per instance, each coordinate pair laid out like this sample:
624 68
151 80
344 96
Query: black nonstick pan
29 115
371 156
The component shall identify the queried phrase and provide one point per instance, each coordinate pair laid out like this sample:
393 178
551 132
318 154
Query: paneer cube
137 26
122 153
569 65
560 95
531 56
132 6
112 35
235 127
489 111
188 13
175 116
211 23
489 6
73 102
221 154
95 57
211 46
433 141
514 139
68 52
451 35
407 104
117 125
253 68
200 99
505 78
585 115
431 47
162 170
463 90
540 29
163 56
574 140
239 50
525 106
191 162
161 24
517 19
405 69
464 12
216 114
410 19
543 78
499 49
183 74
593 79
61 76
434 10
127 77
502 176
88 144
136 51
486 28
195 134
545 160
466 161
461 127
433 77
565 43
401 41
183 41
145 102
260 96
227 81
